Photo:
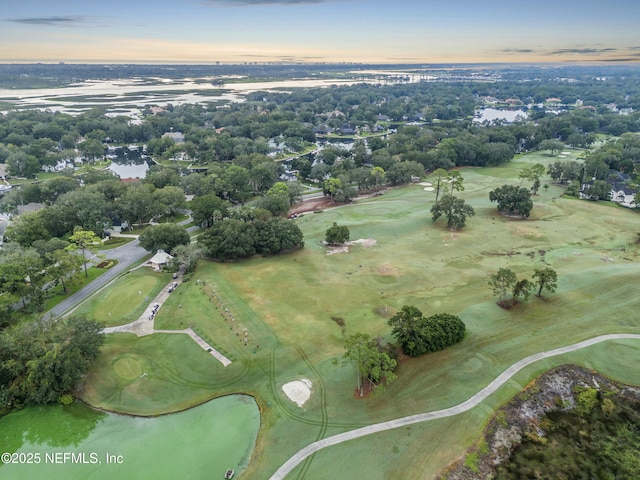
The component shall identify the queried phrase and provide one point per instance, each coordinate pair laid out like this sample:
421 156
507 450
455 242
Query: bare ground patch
387 269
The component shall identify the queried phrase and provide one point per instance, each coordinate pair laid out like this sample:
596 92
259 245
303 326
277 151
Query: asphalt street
126 255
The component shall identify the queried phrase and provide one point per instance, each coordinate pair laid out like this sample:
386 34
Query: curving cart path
310 449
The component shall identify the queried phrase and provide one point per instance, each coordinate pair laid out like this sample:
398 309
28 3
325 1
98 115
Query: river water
129 96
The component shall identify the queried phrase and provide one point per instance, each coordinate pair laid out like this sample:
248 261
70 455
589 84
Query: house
622 194
383 118
58 167
321 130
160 259
346 130
620 191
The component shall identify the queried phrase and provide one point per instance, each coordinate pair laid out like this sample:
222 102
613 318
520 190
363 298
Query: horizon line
284 62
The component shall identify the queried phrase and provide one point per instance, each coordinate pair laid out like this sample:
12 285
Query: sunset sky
368 31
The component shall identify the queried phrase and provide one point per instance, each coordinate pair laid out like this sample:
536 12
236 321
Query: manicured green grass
126 299
114 242
140 375
286 304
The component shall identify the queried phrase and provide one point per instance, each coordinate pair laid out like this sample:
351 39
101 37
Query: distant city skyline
359 31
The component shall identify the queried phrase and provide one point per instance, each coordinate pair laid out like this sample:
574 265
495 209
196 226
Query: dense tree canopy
454 209
42 360
373 361
512 200
231 239
418 335
165 236
337 234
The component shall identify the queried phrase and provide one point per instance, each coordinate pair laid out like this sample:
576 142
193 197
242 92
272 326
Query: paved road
312 448
126 255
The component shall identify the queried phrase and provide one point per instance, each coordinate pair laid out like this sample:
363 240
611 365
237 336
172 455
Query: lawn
126 299
291 305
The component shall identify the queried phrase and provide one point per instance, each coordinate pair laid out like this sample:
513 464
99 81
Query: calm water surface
77 442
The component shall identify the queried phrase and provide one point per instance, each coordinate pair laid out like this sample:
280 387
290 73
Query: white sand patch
298 391
562 156
429 189
344 248
426 184
565 153
365 242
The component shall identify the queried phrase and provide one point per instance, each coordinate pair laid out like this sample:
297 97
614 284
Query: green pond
76 442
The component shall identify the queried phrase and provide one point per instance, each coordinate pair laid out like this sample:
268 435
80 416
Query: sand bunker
562 156
565 153
426 184
298 391
428 189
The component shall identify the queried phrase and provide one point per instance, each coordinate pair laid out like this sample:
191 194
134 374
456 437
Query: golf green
76 442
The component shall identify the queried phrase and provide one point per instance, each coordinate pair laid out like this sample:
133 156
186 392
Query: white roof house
160 259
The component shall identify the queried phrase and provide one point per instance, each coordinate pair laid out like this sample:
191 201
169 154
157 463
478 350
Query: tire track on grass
473 401
323 410
285 409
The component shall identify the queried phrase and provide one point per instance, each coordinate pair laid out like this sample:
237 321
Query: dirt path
312 448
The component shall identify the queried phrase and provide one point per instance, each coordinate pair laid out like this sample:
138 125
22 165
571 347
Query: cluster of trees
418 334
505 282
374 360
620 155
455 209
233 238
30 139
26 271
165 236
337 234
43 360
95 207
234 142
512 200
566 172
